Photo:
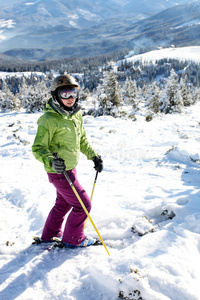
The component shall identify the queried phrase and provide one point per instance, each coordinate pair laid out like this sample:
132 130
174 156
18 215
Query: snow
182 53
4 75
191 23
146 206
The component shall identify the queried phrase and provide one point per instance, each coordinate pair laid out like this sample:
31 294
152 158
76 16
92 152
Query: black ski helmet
60 82
64 81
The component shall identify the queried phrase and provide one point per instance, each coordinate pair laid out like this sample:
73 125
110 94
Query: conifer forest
107 88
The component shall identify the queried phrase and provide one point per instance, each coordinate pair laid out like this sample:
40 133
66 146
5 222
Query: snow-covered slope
180 53
146 205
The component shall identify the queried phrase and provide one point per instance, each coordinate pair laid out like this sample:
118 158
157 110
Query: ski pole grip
55 155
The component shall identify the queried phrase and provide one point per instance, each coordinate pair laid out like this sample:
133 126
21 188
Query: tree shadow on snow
191 178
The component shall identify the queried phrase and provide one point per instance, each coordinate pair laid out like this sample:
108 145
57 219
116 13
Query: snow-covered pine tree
178 102
89 102
196 94
108 95
112 90
22 91
153 98
84 93
129 92
186 92
171 100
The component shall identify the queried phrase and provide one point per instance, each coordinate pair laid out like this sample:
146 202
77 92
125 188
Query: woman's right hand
58 164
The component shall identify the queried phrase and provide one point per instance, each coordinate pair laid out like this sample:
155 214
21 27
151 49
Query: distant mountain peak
84 27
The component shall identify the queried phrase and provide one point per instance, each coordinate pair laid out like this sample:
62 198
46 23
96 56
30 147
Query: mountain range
52 29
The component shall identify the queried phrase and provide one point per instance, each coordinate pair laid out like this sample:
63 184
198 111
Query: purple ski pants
67 201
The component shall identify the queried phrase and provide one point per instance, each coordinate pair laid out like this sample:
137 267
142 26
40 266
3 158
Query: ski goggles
66 94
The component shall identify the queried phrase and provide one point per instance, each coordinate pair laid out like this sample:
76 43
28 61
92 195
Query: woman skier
60 131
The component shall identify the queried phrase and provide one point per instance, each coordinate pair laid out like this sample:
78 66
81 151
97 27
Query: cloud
7 23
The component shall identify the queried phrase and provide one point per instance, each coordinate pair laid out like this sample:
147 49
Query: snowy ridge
145 205
182 53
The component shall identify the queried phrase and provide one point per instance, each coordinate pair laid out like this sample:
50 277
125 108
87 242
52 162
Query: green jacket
63 134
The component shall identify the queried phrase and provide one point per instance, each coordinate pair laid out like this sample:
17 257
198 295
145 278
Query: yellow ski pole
83 206
95 180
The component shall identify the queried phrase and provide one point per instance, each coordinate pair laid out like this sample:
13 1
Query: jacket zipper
74 122
78 132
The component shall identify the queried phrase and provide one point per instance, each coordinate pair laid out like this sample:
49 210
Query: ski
37 240
43 245
58 243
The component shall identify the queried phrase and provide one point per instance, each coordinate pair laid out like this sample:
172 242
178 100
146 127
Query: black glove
98 163
58 164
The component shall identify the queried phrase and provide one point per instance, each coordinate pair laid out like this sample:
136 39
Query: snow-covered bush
8 101
31 96
34 97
